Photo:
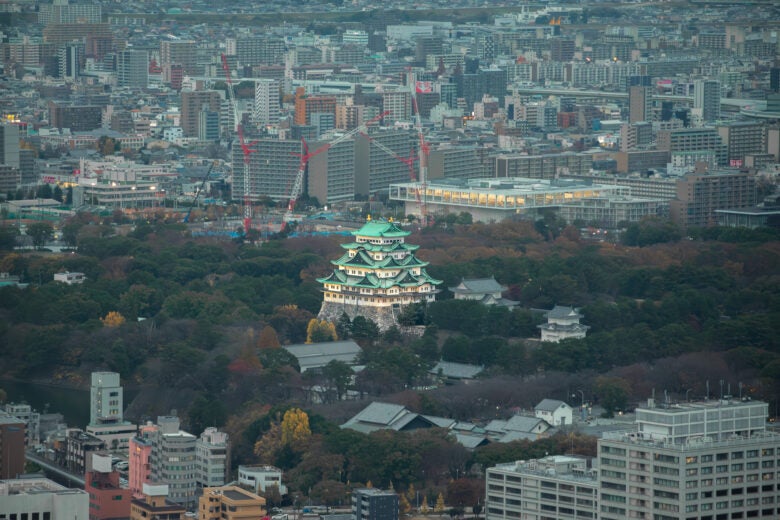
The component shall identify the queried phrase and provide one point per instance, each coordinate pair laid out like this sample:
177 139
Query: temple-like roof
404 278
380 228
363 259
385 248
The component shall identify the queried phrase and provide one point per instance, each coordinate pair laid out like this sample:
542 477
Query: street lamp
582 398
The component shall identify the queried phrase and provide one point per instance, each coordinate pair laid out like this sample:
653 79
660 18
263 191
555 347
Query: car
122 465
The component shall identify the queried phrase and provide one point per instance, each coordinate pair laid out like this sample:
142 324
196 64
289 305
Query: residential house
554 412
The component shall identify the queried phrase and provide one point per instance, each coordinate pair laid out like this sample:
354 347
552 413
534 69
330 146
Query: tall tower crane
297 187
423 152
408 161
246 148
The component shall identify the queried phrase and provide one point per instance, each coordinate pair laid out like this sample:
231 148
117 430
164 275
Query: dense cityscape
342 260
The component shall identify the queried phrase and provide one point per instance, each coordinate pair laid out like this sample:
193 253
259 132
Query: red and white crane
246 148
423 151
297 187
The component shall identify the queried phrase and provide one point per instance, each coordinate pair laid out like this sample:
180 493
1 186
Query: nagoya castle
377 275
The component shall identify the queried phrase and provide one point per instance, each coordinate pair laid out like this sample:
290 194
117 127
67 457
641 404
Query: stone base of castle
384 317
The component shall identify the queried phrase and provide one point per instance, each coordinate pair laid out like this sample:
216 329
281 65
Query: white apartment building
710 460
267 105
261 477
173 460
212 453
555 487
42 498
106 409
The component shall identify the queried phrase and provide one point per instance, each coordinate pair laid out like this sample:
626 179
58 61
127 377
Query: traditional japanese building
378 274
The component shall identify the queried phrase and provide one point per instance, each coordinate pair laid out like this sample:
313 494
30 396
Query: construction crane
408 161
423 152
246 148
197 193
297 187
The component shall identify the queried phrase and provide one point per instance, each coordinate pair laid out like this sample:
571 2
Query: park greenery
197 325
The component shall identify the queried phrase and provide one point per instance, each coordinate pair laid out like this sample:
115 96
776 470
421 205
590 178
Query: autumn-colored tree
369 484
411 492
269 444
112 319
295 427
319 331
424 509
403 504
268 338
439 507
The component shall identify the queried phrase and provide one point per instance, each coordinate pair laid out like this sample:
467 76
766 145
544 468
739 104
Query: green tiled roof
386 248
380 228
404 278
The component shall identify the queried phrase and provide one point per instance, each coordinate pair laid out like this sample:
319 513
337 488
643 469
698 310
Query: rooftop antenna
708 389
721 388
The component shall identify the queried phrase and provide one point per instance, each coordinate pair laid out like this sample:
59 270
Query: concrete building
230 503
267 104
106 411
173 460
704 460
154 504
43 499
212 455
11 446
79 447
305 105
555 487
374 504
132 68
60 11
192 104
706 99
260 478
693 140
272 169
31 419
462 162
331 174
180 52
107 499
698 196
9 145
78 118
742 138
375 167
549 166
139 459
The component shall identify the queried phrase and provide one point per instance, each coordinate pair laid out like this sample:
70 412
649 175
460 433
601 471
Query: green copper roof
386 248
380 228
404 279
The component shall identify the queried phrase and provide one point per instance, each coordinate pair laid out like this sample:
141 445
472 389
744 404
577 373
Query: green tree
364 329
339 375
40 233
612 394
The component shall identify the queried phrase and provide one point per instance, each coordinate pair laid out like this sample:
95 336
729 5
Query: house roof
550 405
478 285
518 436
523 423
561 312
315 355
471 441
573 327
383 414
456 370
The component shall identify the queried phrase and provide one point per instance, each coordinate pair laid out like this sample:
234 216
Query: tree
439 507
424 509
339 375
365 329
268 338
295 427
40 233
612 393
112 319
344 326
319 331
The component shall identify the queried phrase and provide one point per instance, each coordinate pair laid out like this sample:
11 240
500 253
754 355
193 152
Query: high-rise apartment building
398 103
374 504
375 168
640 99
272 169
331 174
71 60
693 140
60 11
78 118
305 105
212 452
710 460
698 196
267 103
182 52
706 99
173 460
192 104
743 138
132 69
558 486
9 145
